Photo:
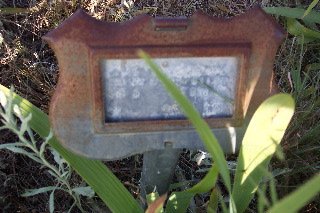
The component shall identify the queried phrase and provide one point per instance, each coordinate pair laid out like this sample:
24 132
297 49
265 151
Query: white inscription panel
133 93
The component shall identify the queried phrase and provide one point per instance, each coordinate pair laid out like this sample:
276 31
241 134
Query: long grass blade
193 115
299 198
311 6
297 29
179 201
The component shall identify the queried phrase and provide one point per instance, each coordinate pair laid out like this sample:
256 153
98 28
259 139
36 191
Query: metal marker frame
76 110
238 50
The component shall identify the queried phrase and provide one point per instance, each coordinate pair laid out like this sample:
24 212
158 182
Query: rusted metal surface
82 43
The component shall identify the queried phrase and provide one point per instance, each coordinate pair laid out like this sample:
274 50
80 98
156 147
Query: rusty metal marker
109 105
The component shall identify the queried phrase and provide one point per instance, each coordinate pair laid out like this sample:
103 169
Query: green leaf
44 144
13 10
24 123
207 183
32 192
273 191
299 198
179 201
57 158
297 29
259 144
213 202
311 6
5 145
297 13
3 99
312 67
94 172
84 191
24 152
51 202
193 115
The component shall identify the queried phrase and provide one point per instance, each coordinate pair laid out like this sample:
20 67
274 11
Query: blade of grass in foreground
300 197
94 172
193 115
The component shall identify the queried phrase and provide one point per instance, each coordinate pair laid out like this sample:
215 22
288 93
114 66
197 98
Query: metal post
158 169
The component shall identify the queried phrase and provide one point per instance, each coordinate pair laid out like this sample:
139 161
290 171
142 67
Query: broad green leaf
179 201
311 6
32 192
297 13
259 144
94 172
297 29
84 191
299 198
193 115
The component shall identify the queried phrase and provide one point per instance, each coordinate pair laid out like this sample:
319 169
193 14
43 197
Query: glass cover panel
133 93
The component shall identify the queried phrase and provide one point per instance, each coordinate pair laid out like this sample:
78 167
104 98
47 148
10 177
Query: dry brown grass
27 63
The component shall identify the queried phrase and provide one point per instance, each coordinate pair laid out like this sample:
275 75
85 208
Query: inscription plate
132 92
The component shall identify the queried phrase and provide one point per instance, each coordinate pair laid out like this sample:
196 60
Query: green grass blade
207 182
297 29
193 115
213 202
311 6
299 198
13 10
259 144
297 13
94 172
179 201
